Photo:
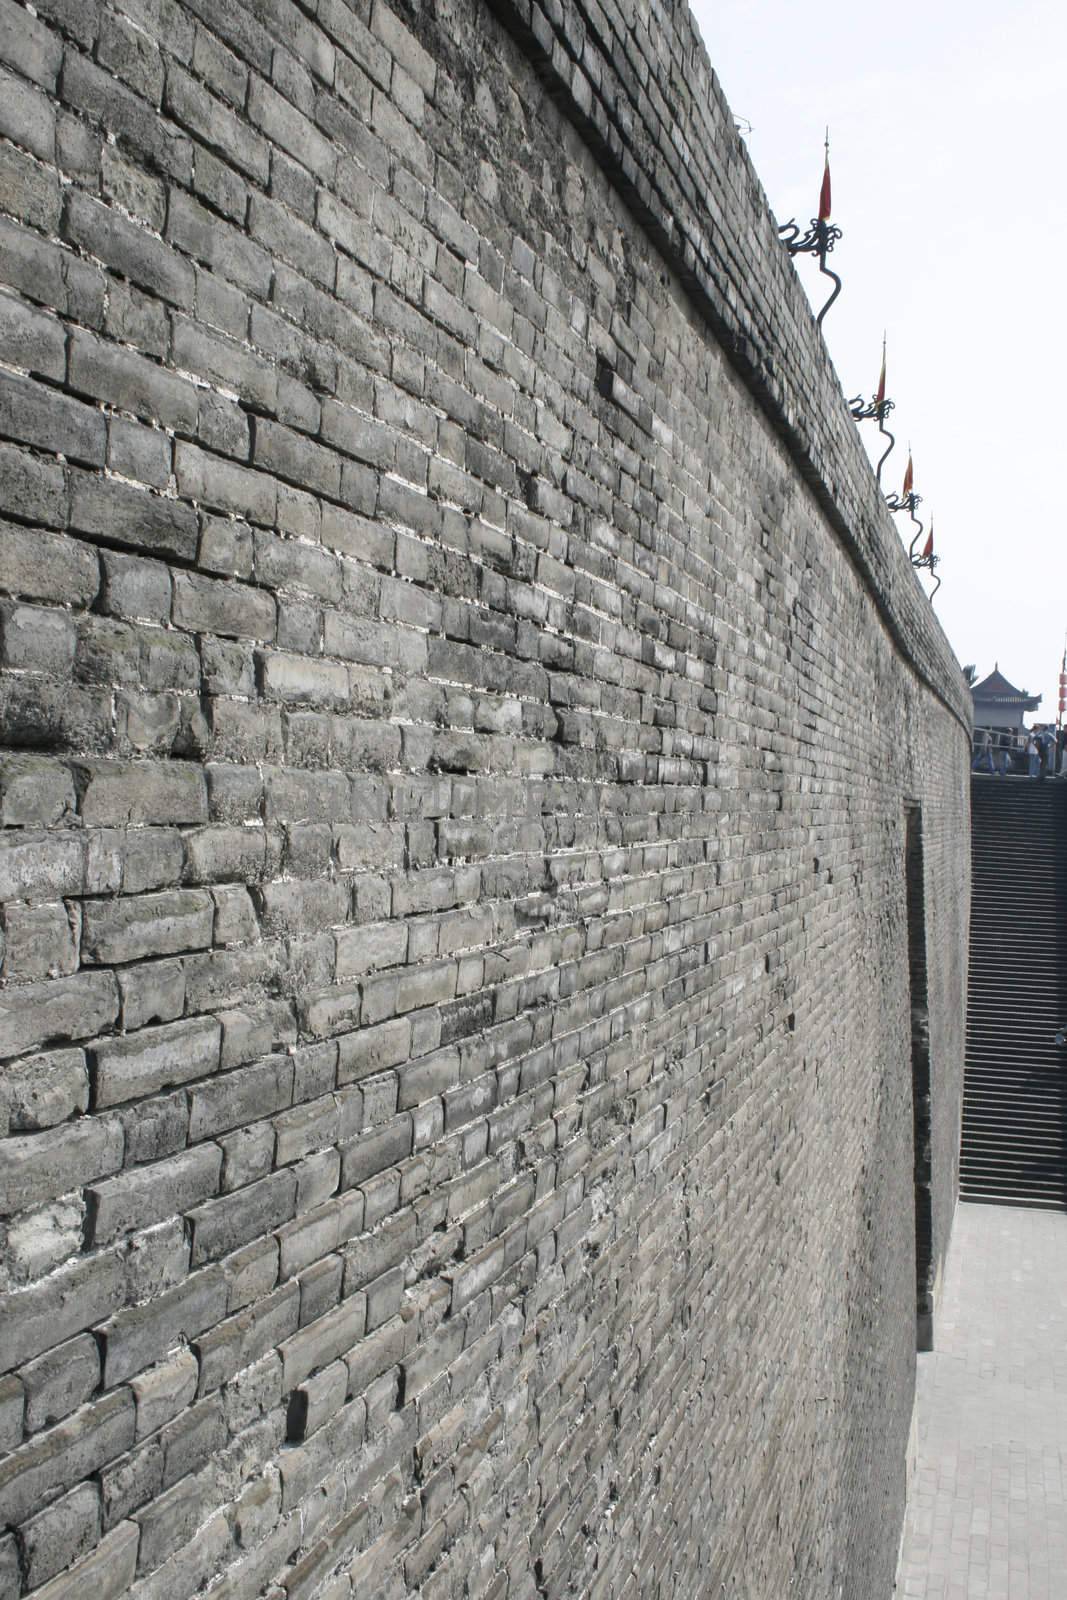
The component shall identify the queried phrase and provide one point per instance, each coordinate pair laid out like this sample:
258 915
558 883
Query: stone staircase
1014 1147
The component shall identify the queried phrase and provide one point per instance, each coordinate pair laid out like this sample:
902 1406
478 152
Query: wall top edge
635 78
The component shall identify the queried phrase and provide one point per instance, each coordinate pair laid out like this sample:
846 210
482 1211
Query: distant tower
998 704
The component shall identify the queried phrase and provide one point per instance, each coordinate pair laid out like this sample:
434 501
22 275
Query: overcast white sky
948 153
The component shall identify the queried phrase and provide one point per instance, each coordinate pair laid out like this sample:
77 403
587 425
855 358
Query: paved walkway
988 1513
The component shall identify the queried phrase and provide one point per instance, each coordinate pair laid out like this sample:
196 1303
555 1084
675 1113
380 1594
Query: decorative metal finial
907 501
821 236
928 559
877 411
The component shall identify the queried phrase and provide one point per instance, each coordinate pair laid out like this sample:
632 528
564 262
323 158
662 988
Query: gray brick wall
459 692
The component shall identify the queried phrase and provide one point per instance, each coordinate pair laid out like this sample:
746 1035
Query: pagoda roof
996 687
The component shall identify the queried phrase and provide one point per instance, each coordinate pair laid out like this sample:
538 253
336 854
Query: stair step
1014 1142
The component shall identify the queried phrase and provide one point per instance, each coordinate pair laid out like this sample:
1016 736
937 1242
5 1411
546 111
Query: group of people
1037 752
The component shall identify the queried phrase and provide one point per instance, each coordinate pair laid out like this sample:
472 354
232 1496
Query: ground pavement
987 1518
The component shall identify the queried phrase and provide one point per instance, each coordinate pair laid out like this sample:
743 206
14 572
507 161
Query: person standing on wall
1033 757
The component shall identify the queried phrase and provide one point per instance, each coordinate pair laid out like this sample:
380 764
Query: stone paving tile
987 1517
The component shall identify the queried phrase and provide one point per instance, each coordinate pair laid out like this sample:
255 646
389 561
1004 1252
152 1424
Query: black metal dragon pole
877 410
907 501
929 560
820 238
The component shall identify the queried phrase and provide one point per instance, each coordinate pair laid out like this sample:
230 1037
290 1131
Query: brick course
459 693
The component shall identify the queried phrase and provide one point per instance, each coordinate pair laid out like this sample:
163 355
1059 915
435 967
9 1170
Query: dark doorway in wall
920 1077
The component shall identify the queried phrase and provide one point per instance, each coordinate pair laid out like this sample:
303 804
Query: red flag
928 547
909 476
824 192
880 396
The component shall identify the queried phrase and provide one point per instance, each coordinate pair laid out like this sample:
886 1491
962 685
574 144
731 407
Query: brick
374 1150
210 605
110 372
153 859
60 1535
154 1059
12 1409
225 1224
39 1166
224 486
106 1573
55 1460
58 1382
36 865
119 792
365 949
192 1439
41 1091
27 116
419 692
152 992
242 1340
28 46
203 235
151 1194
198 110
141 1336
41 943
125 515
239 1097
126 248
164 1391
63 1008
41 1316
134 588
50 421
35 490
36 639
31 339
316 1400
322 1341
146 925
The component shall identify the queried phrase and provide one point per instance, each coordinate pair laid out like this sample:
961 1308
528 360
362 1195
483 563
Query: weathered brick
118 512
35 490
110 372
153 991
150 1194
106 1573
60 1381
418 688
39 1166
224 485
122 245
29 46
41 943
227 1223
164 1391
31 339
240 1096
75 1297
210 605
154 1059
47 566
141 1336
116 792
63 1008
60 1535
146 925
43 1090
12 1410
49 420
59 1458
322 1341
